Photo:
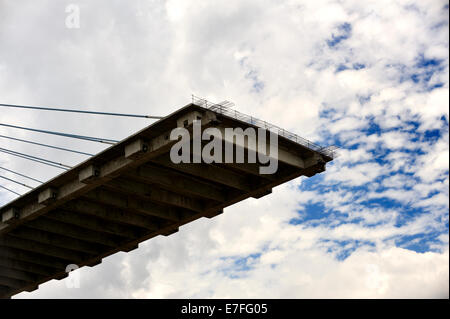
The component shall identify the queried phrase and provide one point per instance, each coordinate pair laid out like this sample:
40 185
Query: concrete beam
47 196
89 174
127 249
110 213
95 263
13 283
10 215
170 231
152 193
94 223
285 156
25 266
72 257
157 210
208 173
32 257
55 240
262 193
72 231
179 183
136 149
18 274
249 168
315 165
142 206
5 292
214 214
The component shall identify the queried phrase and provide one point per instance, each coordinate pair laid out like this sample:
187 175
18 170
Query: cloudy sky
369 76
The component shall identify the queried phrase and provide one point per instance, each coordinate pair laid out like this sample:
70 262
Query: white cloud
275 61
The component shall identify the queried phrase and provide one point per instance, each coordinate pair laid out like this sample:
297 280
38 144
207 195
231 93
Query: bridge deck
127 194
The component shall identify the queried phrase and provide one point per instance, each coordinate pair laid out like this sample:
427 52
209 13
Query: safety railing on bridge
225 109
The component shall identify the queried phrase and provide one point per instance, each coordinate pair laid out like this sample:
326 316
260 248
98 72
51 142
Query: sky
371 77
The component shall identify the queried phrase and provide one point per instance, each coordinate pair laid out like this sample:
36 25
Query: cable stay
22 175
81 137
68 135
46 145
36 159
14 181
9 190
79 111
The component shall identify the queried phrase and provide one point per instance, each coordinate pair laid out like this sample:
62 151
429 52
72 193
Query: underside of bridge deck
130 193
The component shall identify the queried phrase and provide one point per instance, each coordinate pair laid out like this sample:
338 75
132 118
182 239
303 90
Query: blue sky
370 77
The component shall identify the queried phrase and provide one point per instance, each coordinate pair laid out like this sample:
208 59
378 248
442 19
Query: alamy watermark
253 140
73 16
73 280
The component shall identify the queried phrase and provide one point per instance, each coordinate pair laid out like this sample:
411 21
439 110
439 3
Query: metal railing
224 108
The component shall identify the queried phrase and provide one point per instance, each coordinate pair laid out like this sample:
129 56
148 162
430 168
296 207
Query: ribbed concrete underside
127 194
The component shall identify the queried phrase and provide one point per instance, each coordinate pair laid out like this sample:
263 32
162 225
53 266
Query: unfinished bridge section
132 192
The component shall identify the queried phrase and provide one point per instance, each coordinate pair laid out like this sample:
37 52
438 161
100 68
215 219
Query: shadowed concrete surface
132 192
